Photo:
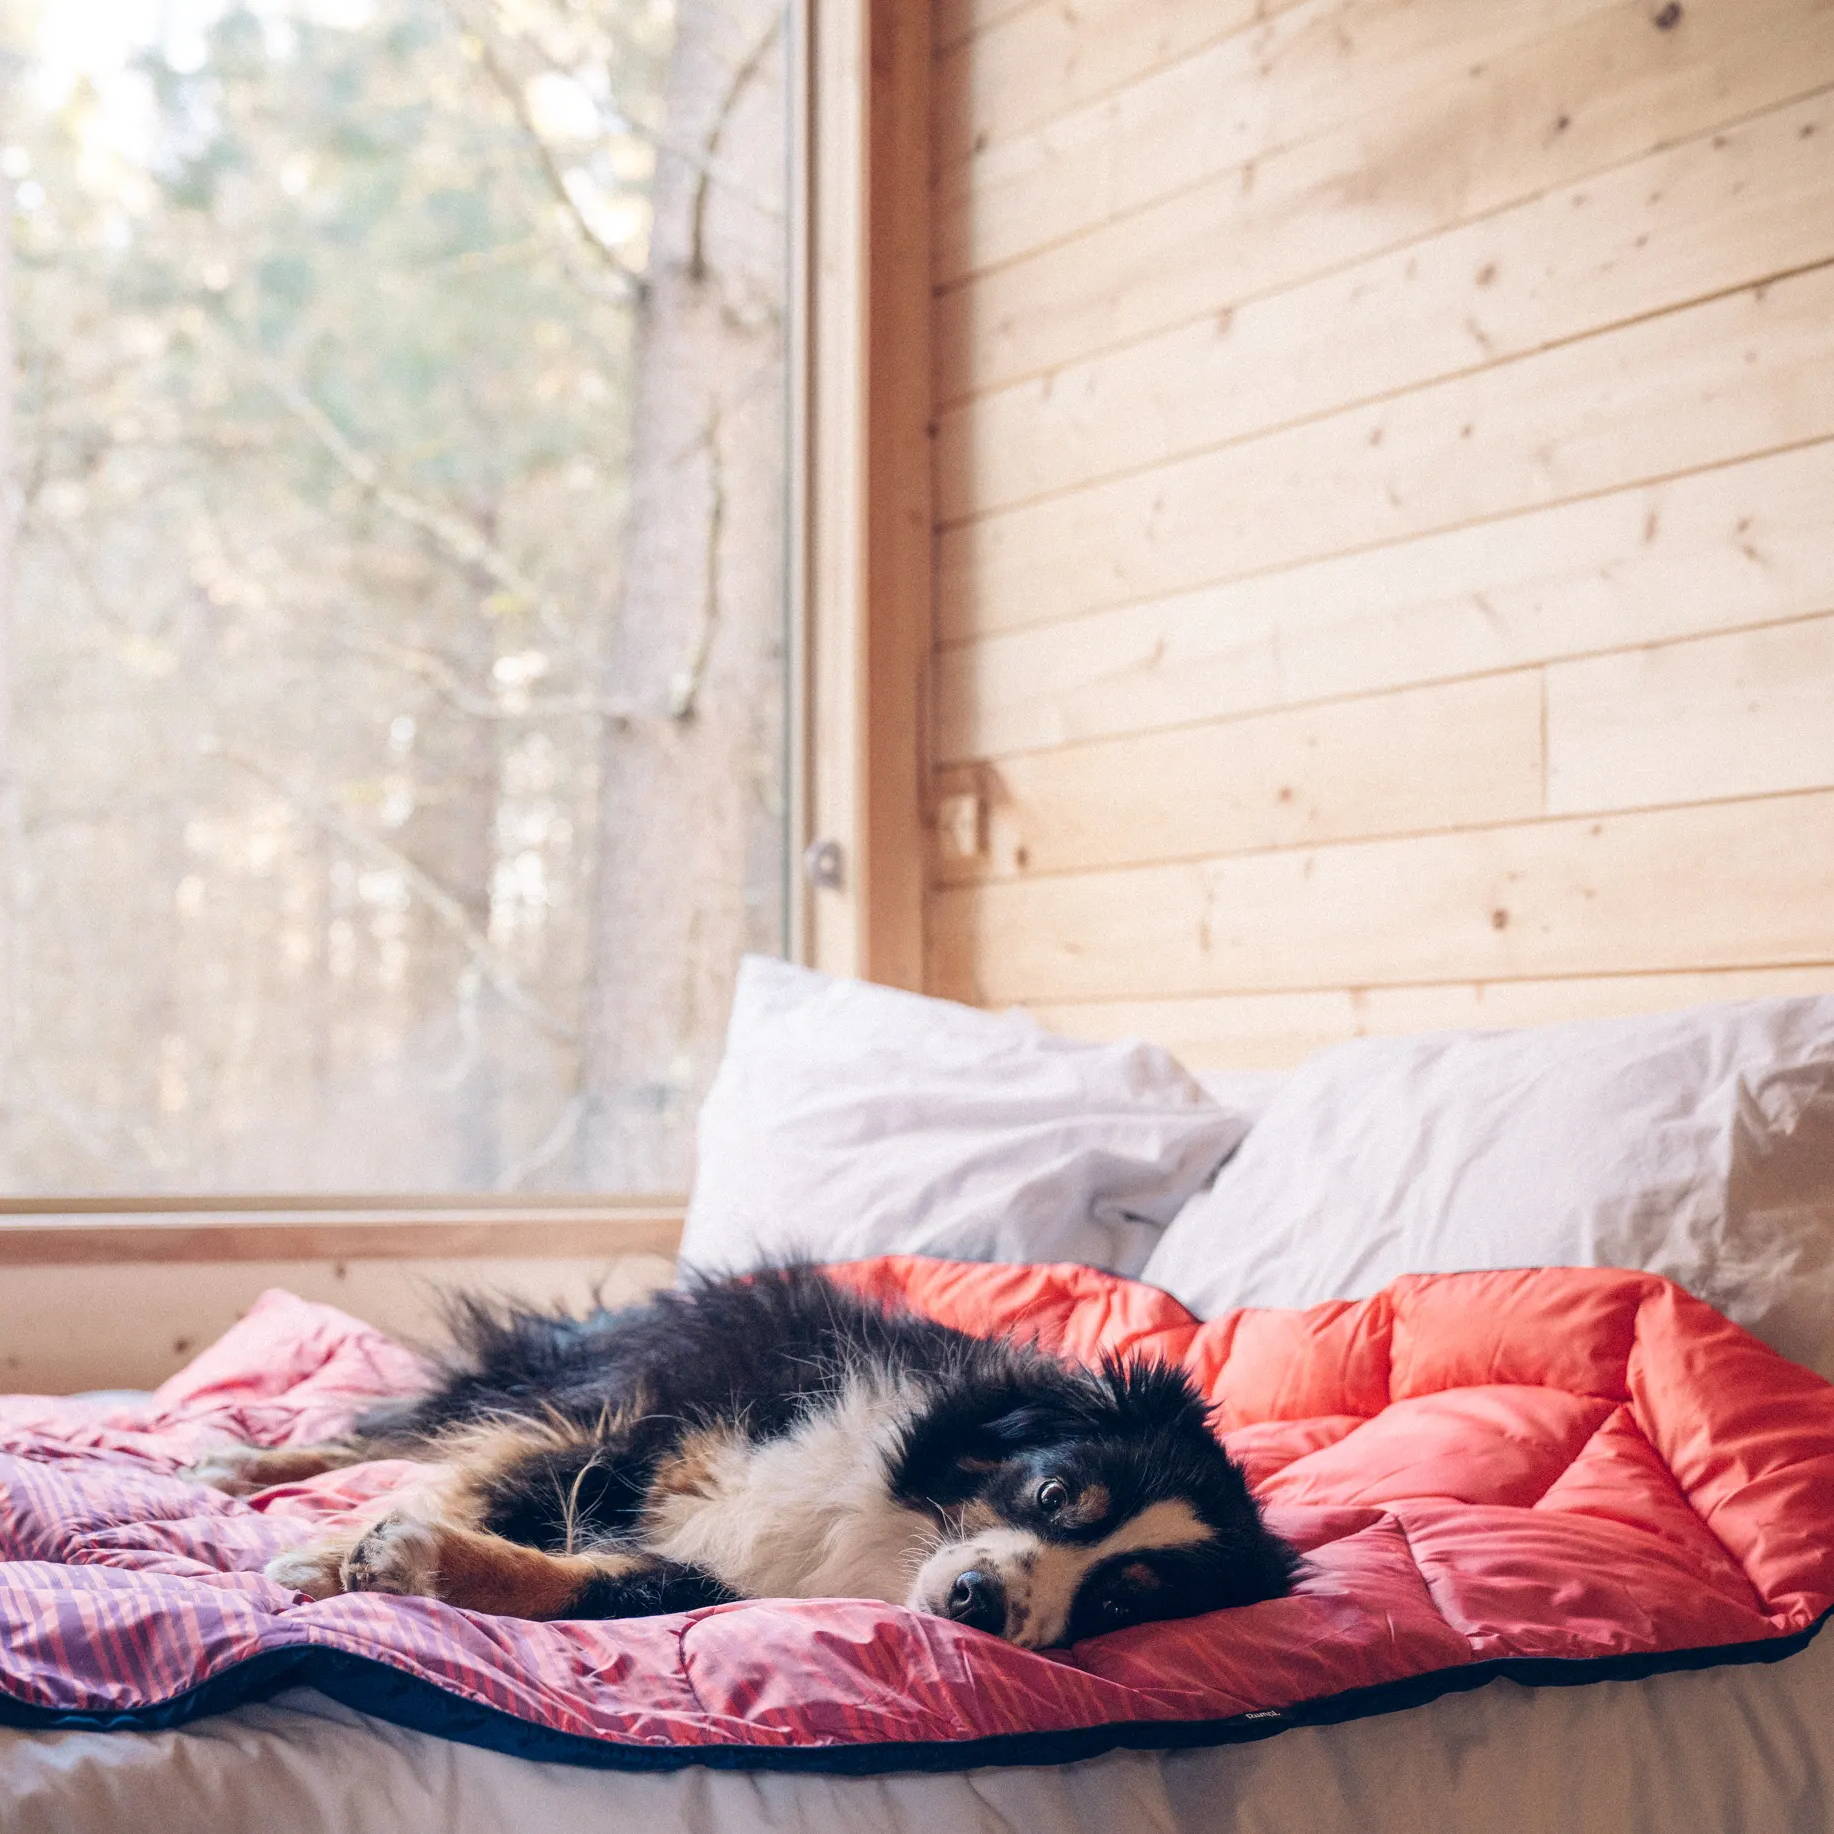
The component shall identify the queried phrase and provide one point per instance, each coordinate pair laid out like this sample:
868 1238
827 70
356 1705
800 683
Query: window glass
391 586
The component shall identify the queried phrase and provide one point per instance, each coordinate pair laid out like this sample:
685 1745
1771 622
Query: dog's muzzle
978 1600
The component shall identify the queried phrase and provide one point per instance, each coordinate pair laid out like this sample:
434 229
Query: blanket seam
1426 1582
531 1738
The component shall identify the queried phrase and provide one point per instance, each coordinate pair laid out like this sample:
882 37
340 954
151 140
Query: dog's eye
1053 1493
1114 1612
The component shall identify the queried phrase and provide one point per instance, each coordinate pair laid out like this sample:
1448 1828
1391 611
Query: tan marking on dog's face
1040 1578
1088 1506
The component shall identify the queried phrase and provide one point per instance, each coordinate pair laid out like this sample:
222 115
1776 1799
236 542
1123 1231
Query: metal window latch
961 825
823 865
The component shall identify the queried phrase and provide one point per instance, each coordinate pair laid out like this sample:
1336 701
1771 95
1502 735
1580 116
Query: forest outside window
392 630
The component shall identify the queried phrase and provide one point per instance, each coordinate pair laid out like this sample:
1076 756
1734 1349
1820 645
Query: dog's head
1074 1502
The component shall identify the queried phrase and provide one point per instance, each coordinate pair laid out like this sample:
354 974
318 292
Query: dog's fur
779 1436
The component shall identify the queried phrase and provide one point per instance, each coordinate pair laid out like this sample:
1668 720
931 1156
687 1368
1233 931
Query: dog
778 1435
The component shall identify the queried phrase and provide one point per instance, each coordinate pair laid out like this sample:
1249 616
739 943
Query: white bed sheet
1746 1750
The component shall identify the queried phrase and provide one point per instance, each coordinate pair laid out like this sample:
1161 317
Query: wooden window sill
90 1231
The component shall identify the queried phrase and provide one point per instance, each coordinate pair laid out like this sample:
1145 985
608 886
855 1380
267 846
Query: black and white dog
777 1435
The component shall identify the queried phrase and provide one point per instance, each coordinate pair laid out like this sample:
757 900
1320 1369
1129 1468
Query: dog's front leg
650 1587
427 1556
242 1470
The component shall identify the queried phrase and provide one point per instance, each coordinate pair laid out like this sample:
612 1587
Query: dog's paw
399 1555
235 1470
316 1571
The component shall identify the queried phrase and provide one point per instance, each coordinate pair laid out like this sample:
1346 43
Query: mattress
1743 1750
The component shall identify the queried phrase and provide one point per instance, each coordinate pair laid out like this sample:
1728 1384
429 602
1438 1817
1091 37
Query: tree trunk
691 799
11 860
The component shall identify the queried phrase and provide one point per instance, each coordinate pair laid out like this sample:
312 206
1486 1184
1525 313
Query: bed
1741 1745
1615 1758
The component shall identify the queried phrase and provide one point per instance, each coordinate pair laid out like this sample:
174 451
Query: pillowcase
849 1120
1247 1092
1697 1144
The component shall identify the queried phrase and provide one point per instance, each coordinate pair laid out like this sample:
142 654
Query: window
392 632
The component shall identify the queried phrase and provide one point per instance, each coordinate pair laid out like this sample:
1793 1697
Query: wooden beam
1726 209
88 1232
863 426
1485 139
1279 1030
1303 74
1743 884
1460 755
1747 714
1705 385
1739 545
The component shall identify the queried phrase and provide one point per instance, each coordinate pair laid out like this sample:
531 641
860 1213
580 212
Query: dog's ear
1144 1394
976 1429
1015 1423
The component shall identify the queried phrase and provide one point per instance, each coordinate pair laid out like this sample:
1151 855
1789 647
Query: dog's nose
977 1599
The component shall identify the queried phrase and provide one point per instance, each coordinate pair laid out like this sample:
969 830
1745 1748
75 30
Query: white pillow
1246 1091
850 1120
1698 1144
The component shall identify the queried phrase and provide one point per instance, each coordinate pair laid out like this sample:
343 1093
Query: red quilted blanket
1559 1474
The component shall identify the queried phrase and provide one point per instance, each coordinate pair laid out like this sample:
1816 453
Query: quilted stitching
1569 1462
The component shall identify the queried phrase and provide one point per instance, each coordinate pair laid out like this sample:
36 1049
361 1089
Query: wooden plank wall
161 1313
1384 488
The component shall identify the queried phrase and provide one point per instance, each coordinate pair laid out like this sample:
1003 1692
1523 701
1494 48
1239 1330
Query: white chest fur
807 1515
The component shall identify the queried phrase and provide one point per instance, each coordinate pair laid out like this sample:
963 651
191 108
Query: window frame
862 571
859 596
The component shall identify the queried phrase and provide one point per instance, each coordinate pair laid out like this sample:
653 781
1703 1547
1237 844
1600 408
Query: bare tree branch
461 539
685 684
747 67
452 687
727 177
513 93
439 900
